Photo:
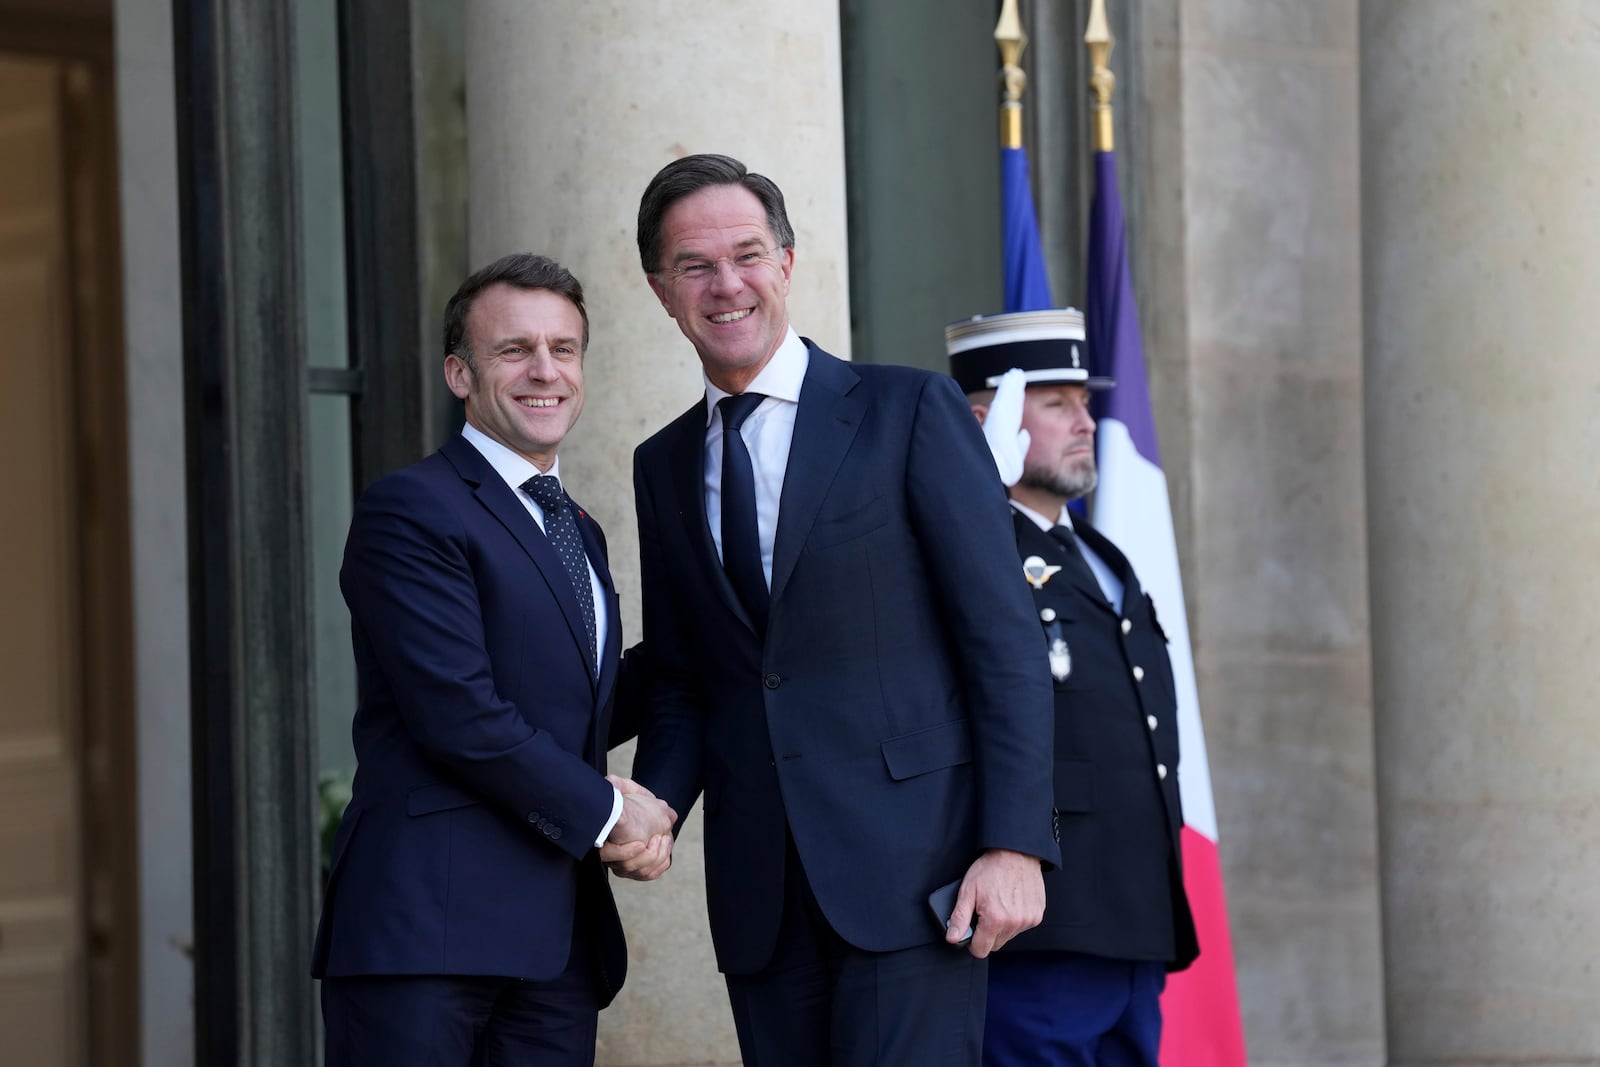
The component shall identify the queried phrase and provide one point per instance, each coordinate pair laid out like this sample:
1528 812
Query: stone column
1253 215
571 108
1481 225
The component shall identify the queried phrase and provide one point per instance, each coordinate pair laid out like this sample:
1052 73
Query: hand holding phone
942 902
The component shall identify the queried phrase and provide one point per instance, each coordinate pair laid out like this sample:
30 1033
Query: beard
1068 480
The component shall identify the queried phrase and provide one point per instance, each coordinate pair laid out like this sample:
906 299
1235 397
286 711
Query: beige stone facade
1368 241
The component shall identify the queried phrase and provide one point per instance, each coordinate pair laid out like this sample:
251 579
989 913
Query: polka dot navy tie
561 528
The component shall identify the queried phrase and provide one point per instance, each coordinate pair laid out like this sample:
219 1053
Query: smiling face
736 312
524 387
1060 463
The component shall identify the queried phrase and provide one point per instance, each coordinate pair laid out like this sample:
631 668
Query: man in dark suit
1083 988
844 664
467 919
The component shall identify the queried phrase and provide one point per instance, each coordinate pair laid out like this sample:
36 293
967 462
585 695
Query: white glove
1002 427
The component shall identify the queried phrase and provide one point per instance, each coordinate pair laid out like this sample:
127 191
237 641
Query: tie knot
1065 535
546 491
735 409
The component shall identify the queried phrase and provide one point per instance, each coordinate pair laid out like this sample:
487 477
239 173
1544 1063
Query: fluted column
571 109
1481 236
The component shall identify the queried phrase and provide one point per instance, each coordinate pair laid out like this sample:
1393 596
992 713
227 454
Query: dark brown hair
521 270
690 174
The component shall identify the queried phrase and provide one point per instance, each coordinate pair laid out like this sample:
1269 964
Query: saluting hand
1002 427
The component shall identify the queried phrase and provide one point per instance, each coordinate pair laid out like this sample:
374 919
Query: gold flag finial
1009 36
1101 81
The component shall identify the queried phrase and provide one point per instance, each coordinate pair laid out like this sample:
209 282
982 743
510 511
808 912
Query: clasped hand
640 844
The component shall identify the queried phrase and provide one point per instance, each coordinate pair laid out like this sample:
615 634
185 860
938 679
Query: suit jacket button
1150 721
1127 624
1138 674
1047 615
1161 771
533 817
772 681
554 832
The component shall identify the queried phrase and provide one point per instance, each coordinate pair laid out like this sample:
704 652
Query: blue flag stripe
1027 281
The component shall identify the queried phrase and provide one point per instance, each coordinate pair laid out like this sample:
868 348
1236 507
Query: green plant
333 796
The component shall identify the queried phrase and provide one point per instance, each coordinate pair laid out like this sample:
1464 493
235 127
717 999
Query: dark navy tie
1077 562
741 537
561 528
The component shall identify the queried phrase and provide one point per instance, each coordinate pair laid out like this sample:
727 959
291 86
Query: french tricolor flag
1132 508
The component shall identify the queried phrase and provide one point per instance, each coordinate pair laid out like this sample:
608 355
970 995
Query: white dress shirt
1110 584
515 470
767 433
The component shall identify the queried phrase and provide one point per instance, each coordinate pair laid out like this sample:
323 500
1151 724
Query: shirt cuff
616 813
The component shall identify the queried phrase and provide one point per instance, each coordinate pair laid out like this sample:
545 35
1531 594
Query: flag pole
1009 36
1202 1025
1027 283
1101 81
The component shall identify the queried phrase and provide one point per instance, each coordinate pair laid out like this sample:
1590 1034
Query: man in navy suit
467 918
844 661
1082 989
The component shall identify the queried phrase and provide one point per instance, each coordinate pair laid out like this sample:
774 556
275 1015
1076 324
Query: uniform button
1150 721
772 681
1138 674
1047 615
555 833
1161 771
1127 624
533 817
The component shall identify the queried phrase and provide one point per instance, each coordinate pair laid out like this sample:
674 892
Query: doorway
68 926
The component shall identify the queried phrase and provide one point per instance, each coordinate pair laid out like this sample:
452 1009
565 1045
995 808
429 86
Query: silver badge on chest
1060 660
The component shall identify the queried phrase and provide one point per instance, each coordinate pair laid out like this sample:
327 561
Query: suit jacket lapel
825 425
687 458
594 546
500 501
1113 557
610 655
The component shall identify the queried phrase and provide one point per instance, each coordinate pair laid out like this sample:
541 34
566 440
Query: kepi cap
1048 346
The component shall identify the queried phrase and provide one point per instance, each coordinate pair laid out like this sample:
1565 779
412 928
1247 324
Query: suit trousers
465 1020
820 1002
1067 1009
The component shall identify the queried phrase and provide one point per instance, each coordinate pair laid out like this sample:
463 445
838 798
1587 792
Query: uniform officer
1084 987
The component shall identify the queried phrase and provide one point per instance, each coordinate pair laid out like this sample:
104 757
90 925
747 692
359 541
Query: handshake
640 844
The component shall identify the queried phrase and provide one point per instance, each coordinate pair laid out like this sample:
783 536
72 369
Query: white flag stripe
1133 509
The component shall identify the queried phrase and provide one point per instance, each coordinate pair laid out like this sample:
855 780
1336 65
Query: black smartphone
942 902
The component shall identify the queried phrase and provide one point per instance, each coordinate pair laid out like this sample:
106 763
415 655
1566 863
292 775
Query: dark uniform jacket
1119 890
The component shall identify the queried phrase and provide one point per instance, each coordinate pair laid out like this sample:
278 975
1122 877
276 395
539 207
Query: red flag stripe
1201 1004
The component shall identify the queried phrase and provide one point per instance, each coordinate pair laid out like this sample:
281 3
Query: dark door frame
247 385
